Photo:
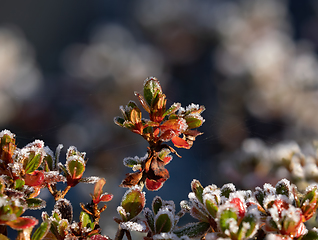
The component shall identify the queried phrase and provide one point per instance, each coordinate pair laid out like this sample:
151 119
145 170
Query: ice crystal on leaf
7 132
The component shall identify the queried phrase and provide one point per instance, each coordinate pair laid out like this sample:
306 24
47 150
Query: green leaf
35 203
131 161
212 207
193 122
34 163
150 219
75 168
119 121
282 187
175 107
193 230
49 160
41 231
163 223
151 89
133 202
225 216
227 189
156 204
63 224
85 219
246 233
18 183
98 189
164 153
197 189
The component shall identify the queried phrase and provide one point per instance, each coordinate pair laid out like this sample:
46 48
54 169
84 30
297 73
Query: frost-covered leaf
283 187
33 163
133 202
193 230
65 209
35 178
153 185
156 204
86 220
211 206
137 226
131 161
75 167
151 89
99 237
248 226
22 223
119 121
197 189
194 121
41 231
175 107
227 219
227 189
98 189
163 222
62 227
35 203
180 143
150 219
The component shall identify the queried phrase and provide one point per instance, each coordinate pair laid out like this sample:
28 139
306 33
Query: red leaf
239 205
167 135
106 197
180 143
98 189
36 178
23 223
153 185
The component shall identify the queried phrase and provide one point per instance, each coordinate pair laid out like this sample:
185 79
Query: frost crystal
168 236
229 186
233 228
91 179
7 132
134 226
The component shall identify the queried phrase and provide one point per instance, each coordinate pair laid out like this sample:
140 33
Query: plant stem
120 233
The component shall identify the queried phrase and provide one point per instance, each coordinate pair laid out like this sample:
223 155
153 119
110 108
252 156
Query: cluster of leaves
24 172
162 126
272 213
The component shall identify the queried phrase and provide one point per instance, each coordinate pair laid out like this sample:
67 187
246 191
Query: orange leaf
180 143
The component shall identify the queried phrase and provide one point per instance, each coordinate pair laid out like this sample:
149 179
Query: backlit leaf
163 223
41 231
151 89
23 223
133 202
34 163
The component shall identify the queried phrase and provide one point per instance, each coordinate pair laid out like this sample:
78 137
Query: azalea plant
277 212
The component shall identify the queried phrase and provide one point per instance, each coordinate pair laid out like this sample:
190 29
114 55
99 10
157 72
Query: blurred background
67 66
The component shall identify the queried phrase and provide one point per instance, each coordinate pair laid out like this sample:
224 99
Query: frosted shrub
270 212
